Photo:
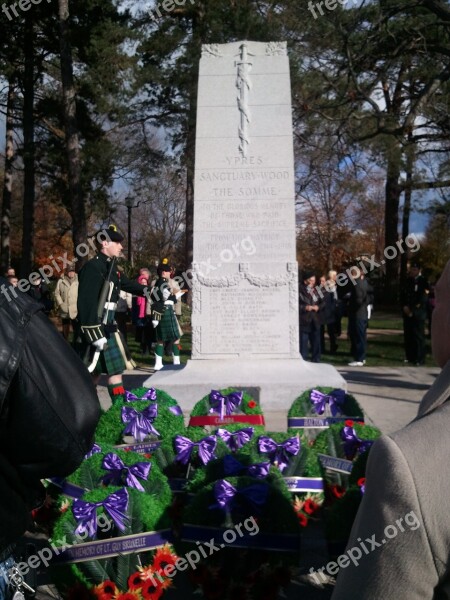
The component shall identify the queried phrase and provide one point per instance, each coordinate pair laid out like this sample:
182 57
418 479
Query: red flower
105 590
310 507
135 581
303 519
118 390
361 481
338 491
163 557
147 455
349 423
127 596
252 404
151 592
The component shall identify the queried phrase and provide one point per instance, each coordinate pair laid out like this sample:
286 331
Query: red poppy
119 390
147 455
105 590
349 423
303 519
162 558
361 481
338 491
127 596
151 592
310 507
135 581
252 404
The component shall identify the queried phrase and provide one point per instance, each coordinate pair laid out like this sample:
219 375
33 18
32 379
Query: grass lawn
384 348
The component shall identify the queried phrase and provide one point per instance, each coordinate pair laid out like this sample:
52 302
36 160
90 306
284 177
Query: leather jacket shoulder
16 310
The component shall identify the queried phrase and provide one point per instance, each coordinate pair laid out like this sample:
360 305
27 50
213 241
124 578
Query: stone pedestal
275 383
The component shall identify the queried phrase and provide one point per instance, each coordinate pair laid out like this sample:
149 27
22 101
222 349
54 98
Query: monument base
274 383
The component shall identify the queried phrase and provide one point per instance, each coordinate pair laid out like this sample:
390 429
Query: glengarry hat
110 234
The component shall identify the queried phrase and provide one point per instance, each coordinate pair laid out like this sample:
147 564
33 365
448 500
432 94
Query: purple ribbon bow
231 466
85 513
120 474
94 450
279 453
139 424
236 439
352 443
184 447
335 399
227 495
149 395
224 405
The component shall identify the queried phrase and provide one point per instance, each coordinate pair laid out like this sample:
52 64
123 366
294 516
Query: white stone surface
245 288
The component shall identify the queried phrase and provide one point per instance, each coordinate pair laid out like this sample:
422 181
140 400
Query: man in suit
400 540
414 299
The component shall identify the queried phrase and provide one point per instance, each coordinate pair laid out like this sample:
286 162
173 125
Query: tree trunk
393 191
406 214
76 199
5 253
28 150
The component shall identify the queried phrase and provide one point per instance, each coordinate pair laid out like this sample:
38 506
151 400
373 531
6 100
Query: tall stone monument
245 290
245 329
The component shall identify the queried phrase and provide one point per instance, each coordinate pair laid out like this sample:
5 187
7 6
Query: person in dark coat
358 319
311 305
101 341
414 300
164 321
328 315
39 291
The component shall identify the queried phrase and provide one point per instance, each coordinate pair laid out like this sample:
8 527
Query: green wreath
248 406
329 442
303 408
166 455
90 473
110 426
277 515
145 513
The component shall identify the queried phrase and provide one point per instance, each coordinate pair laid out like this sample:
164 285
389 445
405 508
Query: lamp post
129 205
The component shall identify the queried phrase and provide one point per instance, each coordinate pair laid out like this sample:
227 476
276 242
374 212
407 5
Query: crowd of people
323 304
154 330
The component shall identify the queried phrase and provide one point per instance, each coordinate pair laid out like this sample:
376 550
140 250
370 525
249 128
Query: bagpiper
103 347
163 317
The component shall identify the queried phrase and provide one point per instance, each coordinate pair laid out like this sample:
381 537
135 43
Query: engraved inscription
245 320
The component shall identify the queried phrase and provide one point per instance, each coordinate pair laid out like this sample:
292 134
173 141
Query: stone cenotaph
245 321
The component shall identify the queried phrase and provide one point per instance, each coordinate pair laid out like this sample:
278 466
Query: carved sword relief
244 85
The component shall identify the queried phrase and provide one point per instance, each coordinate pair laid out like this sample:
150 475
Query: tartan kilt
111 361
168 329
